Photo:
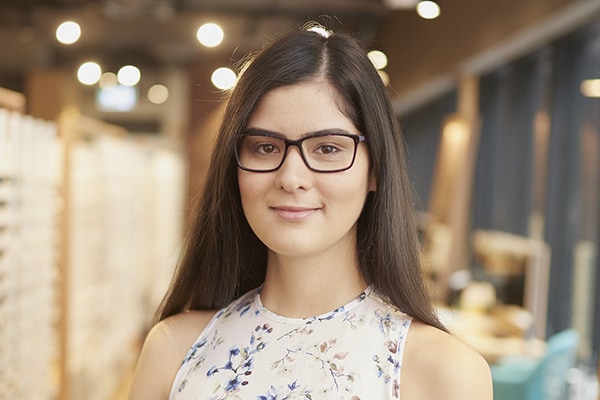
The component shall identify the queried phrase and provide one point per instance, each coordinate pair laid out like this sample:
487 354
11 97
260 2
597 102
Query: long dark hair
223 258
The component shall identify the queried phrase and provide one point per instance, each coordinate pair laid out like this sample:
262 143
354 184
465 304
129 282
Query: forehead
304 107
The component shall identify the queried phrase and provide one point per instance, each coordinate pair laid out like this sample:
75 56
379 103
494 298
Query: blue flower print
298 359
233 384
385 320
240 361
244 307
284 393
271 394
192 353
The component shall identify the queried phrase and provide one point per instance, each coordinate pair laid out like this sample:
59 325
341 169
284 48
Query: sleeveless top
248 352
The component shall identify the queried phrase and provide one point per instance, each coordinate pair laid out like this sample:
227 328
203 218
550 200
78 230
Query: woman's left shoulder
438 365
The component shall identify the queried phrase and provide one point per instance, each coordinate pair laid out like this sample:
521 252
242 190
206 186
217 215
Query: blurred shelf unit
91 218
123 220
28 257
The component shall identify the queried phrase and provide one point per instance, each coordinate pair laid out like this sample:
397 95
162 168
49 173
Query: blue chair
525 378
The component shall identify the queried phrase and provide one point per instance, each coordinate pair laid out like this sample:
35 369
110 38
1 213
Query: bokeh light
210 35
223 78
129 75
158 94
428 9
590 87
89 73
378 58
68 32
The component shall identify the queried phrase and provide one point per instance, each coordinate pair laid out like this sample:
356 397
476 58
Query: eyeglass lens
320 153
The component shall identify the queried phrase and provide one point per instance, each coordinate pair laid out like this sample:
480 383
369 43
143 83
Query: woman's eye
267 148
327 149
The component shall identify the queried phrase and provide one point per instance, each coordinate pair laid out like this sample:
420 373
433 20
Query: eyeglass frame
298 143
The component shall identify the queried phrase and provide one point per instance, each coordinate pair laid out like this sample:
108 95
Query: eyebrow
322 132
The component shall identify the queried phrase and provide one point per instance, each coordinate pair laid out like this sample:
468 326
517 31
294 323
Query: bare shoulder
185 325
164 349
438 365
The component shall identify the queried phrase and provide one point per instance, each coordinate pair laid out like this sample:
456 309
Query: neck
306 287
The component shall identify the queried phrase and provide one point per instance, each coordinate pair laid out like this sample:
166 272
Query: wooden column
450 198
49 92
12 101
51 95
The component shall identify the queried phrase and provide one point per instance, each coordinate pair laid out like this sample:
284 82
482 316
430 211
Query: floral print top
248 352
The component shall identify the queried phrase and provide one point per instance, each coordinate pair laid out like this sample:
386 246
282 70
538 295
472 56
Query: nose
293 174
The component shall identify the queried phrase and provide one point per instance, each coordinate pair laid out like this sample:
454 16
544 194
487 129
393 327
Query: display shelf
90 221
28 269
119 226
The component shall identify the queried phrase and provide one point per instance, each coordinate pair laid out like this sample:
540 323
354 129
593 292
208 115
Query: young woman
305 244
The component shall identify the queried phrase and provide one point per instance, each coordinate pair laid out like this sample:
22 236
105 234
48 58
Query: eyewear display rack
90 222
28 257
122 220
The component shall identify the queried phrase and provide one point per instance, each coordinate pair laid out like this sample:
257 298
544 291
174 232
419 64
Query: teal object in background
526 378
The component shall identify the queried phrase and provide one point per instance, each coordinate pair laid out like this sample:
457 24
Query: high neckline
329 315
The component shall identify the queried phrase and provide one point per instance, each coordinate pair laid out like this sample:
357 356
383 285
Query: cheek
250 186
359 180
347 194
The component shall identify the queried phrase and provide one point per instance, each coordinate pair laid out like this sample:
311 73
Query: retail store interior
108 112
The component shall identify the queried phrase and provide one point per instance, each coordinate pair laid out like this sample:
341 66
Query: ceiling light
129 75
68 32
428 9
378 58
223 78
158 94
89 73
210 35
108 79
590 87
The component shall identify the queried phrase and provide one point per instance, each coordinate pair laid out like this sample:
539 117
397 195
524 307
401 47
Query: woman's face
295 211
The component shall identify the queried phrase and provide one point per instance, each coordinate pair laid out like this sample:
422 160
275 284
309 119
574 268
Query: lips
289 213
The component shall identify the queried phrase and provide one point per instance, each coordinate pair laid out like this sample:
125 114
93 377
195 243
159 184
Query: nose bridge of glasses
299 151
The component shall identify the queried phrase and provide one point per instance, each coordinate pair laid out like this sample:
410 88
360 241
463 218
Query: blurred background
108 111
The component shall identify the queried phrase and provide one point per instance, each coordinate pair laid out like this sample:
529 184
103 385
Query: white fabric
247 352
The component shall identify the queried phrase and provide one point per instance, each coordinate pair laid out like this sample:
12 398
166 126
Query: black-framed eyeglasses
321 152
